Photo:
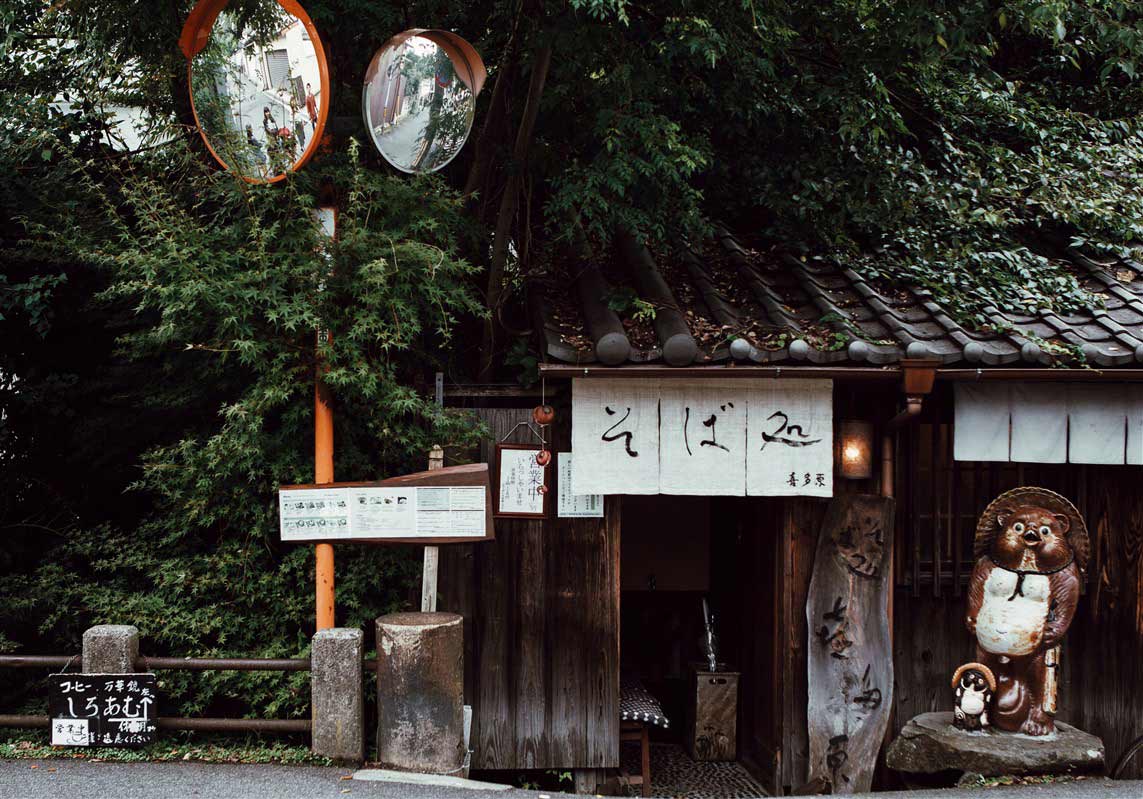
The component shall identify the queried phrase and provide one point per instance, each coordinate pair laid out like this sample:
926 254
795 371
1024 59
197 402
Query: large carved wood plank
849 657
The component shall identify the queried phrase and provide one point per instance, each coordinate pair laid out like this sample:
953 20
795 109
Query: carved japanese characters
973 686
1031 548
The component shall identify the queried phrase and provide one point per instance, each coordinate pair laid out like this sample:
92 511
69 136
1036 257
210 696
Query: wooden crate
712 715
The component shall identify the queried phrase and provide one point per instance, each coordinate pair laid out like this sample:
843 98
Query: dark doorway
674 553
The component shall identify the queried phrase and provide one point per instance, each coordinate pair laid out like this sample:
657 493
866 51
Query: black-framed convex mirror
259 85
419 98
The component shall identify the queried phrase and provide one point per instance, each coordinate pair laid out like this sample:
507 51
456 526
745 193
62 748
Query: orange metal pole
323 459
323 473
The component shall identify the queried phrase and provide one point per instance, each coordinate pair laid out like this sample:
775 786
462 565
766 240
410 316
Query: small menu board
571 505
521 483
441 506
103 709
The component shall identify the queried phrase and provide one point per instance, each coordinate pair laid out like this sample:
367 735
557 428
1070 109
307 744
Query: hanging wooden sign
850 659
442 506
522 482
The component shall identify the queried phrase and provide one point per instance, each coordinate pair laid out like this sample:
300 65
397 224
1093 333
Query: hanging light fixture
855 450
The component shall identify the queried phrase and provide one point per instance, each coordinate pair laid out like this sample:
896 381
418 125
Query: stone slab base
930 744
410 778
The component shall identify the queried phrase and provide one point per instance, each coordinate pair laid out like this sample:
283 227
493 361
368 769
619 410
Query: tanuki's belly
1011 622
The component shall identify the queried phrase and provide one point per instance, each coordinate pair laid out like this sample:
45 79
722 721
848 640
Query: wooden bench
639 711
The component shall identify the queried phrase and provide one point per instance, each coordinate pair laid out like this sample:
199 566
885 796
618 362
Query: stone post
420 692
110 649
337 694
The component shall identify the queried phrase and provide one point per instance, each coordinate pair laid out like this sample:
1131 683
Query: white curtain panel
1049 423
981 424
702 437
1097 423
1134 406
1039 423
790 447
615 435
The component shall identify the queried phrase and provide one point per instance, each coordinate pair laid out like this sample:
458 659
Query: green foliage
521 356
157 385
623 300
157 316
19 745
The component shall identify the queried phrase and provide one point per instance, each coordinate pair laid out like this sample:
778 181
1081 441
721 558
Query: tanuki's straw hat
989 677
988 527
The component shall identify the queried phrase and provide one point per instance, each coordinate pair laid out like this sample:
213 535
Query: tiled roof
770 308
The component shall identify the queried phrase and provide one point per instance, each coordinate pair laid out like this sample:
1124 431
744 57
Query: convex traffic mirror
420 97
259 84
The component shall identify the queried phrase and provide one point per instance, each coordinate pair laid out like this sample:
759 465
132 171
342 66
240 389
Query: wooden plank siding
1102 654
801 521
541 609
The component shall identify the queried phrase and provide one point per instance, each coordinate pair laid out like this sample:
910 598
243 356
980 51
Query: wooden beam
724 371
432 552
564 370
1113 375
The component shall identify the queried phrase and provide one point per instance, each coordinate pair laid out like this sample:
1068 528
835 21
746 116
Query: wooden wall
541 611
801 520
541 608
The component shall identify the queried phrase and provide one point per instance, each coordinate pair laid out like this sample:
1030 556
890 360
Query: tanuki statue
1031 549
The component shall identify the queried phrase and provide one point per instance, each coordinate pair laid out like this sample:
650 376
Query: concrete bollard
110 649
337 695
420 692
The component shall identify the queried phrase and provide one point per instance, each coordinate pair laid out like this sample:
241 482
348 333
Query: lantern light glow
855 450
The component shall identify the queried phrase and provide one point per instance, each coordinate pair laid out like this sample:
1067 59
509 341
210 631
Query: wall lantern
259 85
419 98
855 450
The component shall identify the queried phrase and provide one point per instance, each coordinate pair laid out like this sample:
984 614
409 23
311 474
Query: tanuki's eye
1018 527
1045 530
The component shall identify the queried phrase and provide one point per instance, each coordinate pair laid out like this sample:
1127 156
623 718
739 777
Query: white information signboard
570 504
445 505
520 478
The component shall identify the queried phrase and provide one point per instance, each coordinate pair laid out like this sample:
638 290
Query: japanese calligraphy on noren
103 709
702 432
720 436
615 436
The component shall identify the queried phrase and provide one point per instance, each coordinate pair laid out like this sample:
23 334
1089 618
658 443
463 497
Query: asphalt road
64 779
70 779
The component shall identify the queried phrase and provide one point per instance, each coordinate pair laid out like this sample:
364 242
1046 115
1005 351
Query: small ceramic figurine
1031 548
973 686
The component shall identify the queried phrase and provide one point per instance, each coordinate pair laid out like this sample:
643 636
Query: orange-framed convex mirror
259 85
419 98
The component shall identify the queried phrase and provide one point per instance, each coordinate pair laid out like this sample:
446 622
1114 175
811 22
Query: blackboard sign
103 709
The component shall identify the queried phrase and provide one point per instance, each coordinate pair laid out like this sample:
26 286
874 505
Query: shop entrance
718 728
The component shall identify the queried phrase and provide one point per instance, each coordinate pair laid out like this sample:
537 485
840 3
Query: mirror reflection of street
418 109
256 91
